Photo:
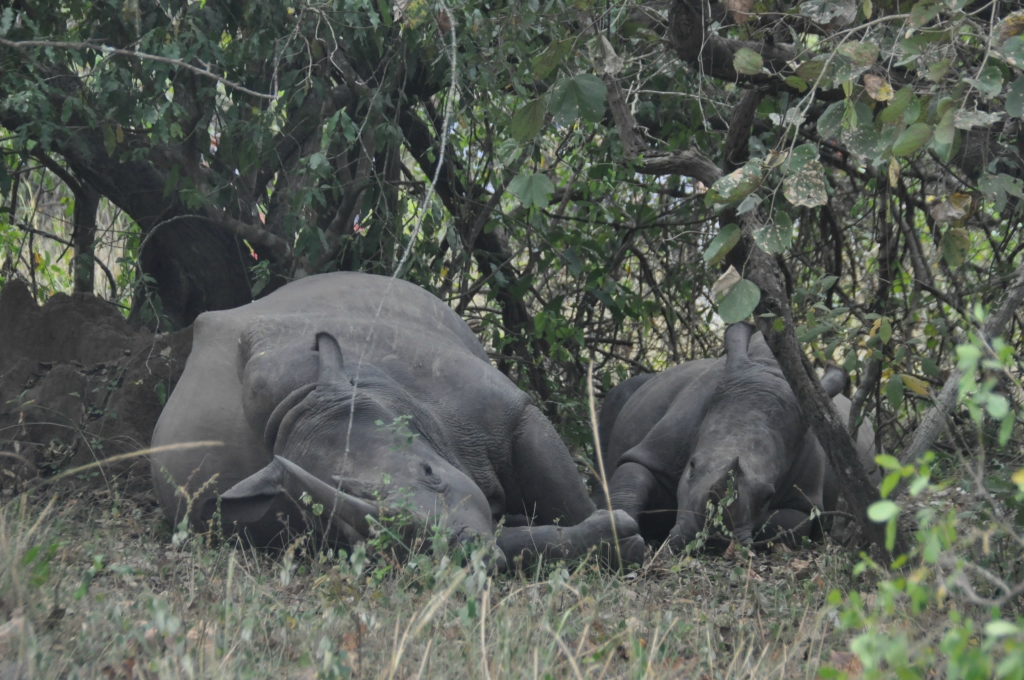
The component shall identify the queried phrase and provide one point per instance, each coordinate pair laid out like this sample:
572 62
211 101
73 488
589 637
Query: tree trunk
828 427
87 201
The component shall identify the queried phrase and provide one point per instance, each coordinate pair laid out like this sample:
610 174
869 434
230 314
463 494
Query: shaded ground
91 586
77 384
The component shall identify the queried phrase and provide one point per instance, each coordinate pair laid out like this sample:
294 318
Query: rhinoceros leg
548 480
551 492
786 525
570 542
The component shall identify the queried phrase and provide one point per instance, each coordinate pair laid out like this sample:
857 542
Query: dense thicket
573 177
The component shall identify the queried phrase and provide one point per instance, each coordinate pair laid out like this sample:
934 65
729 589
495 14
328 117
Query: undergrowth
91 586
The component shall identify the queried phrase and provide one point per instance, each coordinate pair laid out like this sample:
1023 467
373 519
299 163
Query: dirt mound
78 384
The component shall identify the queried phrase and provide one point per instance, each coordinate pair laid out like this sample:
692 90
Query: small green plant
952 602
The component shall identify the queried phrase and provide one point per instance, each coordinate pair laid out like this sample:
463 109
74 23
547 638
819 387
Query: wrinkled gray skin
295 386
672 441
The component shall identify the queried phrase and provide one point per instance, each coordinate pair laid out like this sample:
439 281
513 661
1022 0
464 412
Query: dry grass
206 610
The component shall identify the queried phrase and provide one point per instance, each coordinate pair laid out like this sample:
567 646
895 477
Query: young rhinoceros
674 441
357 393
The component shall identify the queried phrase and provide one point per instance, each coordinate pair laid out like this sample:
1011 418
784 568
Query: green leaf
894 391
739 302
317 160
885 330
581 96
747 61
944 131
860 53
545 63
726 240
1015 98
809 71
883 511
797 83
65 113
898 104
109 140
888 484
532 190
528 120
923 12
888 462
736 185
777 235
830 124
807 187
989 82
6 19
955 245
1012 51
911 139
1000 628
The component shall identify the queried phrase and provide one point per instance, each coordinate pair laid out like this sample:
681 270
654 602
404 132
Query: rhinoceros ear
737 337
834 381
332 364
721 485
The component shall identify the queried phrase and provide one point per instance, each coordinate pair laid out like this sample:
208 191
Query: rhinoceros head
358 444
749 433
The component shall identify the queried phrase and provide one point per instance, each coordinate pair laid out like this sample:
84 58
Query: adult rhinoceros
365 392
672 441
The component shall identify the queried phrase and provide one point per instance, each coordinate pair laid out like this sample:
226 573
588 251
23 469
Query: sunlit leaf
739 302
882 511
877 88
736 184
747 61
1018 478
1000 628
806 187
725 283
777 235
915 385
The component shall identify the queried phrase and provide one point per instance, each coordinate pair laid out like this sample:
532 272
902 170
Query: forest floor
92 585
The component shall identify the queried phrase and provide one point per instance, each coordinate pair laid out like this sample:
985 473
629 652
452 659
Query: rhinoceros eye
427 470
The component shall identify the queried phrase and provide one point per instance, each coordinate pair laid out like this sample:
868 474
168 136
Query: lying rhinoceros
358 393
672 441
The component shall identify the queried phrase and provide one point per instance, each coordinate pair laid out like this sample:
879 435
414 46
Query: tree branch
712 54
22 45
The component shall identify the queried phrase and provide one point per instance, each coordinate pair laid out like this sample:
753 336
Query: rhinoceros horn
283 476
721 486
